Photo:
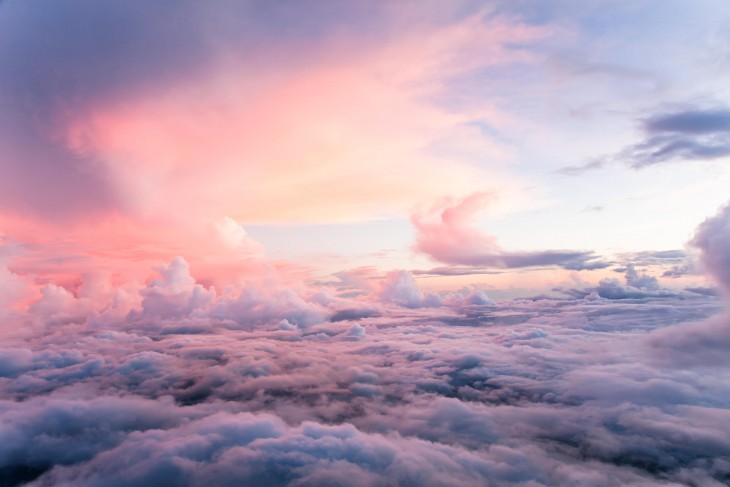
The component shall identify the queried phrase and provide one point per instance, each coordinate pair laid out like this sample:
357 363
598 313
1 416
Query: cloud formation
681 135
446 232
704 343
476 391
132 120
281 385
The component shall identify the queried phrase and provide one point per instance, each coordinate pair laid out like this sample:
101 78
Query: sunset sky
318 134
422 228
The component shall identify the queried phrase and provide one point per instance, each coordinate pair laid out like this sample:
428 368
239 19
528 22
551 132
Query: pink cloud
447 233
170 160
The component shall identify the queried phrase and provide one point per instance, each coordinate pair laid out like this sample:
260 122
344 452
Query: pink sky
119 157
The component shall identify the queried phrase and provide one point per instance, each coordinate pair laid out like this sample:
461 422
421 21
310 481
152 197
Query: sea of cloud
279 388
175 383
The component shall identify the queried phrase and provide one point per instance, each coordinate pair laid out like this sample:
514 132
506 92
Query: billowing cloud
636 285
713 240
703 343
296 386
446 232
538 392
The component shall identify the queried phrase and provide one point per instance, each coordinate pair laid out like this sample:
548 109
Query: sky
364 243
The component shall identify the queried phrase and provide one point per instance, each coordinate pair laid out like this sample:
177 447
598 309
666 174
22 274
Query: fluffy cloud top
293 386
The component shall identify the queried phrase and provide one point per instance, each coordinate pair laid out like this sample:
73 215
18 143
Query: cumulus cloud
446 232
522 392
636 285
176 294
713 240
283 384
703 343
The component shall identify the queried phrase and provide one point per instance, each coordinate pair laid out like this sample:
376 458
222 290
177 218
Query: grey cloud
666 148
690 122
455 271
354 314
580 260
690 134
581 168
707 291
571 260
693 134
679 270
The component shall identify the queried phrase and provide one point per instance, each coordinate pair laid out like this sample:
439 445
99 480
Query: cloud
176 294
201 123
455 271
681 135
713 240
446 233
400 288
247 386
71 134
702 343
479 392
636 285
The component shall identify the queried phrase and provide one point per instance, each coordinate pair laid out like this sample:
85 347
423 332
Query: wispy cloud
682 135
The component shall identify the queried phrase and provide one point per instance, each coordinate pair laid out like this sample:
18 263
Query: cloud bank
178 383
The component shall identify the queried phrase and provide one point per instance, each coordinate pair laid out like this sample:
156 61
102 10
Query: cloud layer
175 382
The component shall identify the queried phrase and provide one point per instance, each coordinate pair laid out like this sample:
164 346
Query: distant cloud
679 271
447 234
692 134
581 168
636 285
697 122
456 271
400 288
594 208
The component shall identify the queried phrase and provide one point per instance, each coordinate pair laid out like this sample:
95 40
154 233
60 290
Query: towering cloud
704 343
713 240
